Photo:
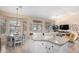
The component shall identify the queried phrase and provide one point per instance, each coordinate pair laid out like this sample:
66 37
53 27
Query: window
37 27
2 25
14 26
48 27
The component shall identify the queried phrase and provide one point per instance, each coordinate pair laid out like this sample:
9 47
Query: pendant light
18 15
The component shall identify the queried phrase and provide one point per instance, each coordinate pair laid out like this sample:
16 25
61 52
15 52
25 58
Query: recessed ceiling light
56 17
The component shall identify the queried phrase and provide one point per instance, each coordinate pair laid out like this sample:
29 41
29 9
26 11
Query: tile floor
43 47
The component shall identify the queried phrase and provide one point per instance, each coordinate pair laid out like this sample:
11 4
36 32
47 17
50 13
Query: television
64 27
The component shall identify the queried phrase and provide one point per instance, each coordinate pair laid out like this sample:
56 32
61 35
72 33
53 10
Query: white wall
73 19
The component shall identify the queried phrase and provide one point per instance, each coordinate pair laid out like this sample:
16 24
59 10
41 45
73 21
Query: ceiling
42 11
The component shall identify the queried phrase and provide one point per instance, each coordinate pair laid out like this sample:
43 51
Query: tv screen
64 27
